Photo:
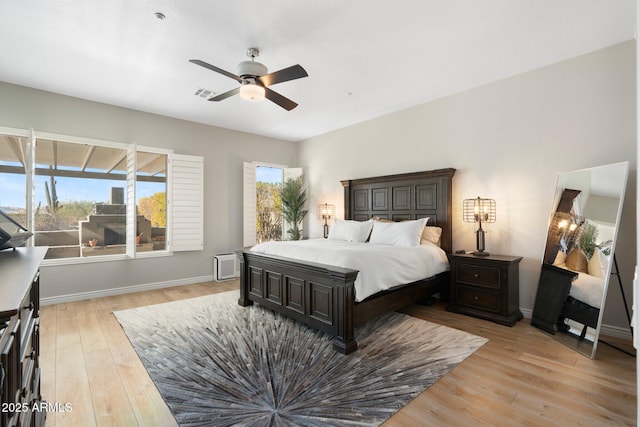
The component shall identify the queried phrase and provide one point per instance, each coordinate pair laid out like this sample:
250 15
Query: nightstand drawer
478 298
488 277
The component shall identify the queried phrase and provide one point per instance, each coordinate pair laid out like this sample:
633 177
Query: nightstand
486 287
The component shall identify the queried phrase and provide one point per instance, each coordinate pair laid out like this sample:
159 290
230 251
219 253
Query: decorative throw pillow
598 264
431 234
405 233
351 231
577 261
561 258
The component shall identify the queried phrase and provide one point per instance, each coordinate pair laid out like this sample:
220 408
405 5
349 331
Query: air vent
204 93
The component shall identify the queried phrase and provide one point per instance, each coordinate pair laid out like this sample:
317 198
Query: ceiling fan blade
216 69
284 75
225 95
282 101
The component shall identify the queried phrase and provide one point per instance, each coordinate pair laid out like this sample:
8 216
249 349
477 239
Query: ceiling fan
254 80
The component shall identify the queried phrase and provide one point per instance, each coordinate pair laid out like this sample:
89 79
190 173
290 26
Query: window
78 198
262 209
87 198
13 176
151 201
268 203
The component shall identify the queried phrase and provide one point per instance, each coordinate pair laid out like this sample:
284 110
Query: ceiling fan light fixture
252 92
255 82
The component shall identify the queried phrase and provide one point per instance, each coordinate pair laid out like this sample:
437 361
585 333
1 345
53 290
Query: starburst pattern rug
216 363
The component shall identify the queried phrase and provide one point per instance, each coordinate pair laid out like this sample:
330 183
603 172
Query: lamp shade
252 92
326 211
479 210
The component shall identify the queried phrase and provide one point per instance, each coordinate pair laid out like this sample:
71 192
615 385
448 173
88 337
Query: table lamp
479 210
326 212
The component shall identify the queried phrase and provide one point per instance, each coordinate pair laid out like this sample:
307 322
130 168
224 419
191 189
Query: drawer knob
476 275
475 298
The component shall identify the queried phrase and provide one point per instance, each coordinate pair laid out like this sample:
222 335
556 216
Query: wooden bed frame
322 296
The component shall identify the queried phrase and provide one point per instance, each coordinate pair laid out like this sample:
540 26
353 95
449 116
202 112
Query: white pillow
351 231
598 264
405 233
431 234
561 257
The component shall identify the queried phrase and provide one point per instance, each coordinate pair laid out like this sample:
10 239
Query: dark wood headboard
401 197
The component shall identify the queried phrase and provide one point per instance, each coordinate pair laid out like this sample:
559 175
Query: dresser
486 287
20 400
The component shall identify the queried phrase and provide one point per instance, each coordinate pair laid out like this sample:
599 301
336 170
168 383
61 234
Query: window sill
103 258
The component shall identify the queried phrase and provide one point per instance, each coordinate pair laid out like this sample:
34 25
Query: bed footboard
321 296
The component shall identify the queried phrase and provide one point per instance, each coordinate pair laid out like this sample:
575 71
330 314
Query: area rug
216 363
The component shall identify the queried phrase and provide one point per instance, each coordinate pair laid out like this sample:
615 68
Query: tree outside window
268 204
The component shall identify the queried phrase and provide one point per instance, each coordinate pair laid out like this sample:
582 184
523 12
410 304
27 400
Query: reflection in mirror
578 256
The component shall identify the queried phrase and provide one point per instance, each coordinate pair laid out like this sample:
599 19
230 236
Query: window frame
131 212
249 204
132 150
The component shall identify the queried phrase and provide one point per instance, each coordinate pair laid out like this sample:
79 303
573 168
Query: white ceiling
365 58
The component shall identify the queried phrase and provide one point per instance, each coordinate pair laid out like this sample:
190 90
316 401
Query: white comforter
381 266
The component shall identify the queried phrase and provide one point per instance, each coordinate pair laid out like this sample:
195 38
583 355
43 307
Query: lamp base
480 253
480 243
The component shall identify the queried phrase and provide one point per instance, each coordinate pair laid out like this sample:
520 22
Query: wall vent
204 93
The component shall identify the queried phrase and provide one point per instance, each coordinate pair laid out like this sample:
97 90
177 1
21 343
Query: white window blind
249 205
187 210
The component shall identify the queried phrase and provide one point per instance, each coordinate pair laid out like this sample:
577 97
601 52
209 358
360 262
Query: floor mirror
579 255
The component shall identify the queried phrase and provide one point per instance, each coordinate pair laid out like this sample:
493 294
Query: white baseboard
526 313
609 330
123 290
616 331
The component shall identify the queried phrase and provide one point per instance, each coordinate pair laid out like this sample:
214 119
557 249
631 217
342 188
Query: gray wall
508 141
223 150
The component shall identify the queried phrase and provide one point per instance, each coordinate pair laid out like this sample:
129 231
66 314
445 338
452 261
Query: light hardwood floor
520 377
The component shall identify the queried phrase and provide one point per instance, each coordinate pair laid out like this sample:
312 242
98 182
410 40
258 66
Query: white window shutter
249 205
187 203
31 185
131 224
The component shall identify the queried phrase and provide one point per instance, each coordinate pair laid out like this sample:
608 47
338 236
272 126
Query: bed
322 295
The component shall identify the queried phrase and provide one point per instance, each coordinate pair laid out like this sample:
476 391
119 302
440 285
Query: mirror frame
552 295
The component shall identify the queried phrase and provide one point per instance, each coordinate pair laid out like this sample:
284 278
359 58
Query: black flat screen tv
12 234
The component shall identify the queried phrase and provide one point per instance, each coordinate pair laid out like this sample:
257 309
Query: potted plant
294 197
588 238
